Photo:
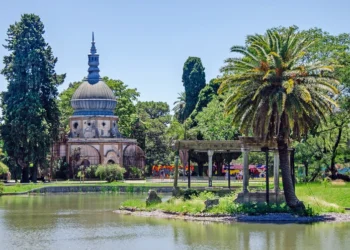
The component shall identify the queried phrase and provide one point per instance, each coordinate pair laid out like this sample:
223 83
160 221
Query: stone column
276 164
210 167
102 153
245 169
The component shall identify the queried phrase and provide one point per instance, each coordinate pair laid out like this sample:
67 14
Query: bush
190 193
135 173
3 168
111 172
90 172
1 188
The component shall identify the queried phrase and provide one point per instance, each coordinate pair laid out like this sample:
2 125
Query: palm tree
179 107
275 95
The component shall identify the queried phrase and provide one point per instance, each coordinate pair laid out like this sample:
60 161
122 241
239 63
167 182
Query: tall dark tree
206 95
30 113
193 79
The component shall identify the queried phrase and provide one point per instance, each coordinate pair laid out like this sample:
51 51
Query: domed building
94 136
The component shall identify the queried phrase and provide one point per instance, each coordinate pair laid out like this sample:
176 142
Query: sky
145 43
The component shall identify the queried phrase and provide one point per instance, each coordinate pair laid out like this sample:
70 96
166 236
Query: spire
93 76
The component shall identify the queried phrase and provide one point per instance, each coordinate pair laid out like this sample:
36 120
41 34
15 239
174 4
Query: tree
275 95
206 95
155 118
125 108
193 79
333 49
30 112
179 107
213 124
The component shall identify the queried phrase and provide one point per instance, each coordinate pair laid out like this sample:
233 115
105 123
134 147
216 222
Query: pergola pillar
210 167
276 164
245 152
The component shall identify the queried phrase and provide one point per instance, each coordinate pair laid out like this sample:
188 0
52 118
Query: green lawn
325 195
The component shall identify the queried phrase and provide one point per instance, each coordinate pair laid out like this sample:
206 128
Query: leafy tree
30 112
125 108
64 104
335 50
193 79
274 94
155 118
213 124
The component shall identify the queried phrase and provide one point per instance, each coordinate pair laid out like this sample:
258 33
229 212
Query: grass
325 197
196 205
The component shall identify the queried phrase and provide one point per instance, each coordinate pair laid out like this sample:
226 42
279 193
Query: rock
153 198
210 203
177 192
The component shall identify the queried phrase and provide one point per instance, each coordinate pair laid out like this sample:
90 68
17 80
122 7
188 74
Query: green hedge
111 172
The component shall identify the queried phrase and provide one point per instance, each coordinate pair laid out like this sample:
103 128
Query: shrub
1 188
135 172
90 172
3 168
111 172
190 193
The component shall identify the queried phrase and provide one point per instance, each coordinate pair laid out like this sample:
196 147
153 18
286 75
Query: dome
93 99
93 96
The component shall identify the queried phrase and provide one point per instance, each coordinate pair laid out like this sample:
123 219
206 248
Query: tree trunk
334 153
35 173
200 168
306 164
289 193
25 175
25 171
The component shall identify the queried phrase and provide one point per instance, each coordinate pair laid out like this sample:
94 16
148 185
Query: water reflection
87 222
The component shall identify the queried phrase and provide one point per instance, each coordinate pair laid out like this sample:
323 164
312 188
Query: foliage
90 172
190 193
3 168
226 206
29 108
274 94
327 143
154 117
213 124
193 79
1 188
270 85
64 104
110 172
205 96
135 172
179 107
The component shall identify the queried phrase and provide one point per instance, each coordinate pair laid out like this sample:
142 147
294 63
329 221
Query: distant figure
8 177
161 174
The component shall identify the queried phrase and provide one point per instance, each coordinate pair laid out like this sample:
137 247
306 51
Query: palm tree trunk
334 154
289 193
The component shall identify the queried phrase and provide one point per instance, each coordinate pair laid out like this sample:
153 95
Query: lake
87 221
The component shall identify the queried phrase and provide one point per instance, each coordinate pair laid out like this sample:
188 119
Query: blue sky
146 42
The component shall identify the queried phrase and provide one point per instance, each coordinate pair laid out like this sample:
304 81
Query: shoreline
267 218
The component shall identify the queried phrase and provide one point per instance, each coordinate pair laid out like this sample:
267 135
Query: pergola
243 145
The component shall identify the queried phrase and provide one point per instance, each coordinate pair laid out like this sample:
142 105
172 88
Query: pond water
87 221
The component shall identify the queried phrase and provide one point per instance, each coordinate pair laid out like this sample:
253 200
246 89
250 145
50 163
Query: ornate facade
94 136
